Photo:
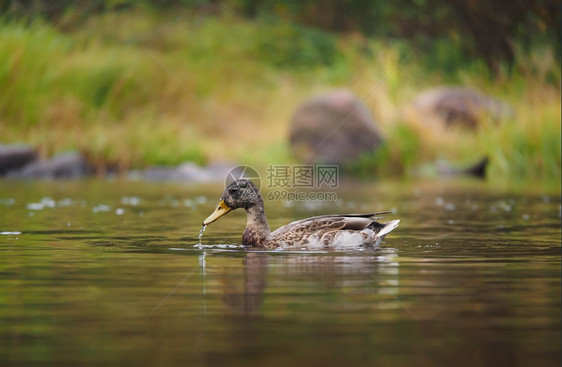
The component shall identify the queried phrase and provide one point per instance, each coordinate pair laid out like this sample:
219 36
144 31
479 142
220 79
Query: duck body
337 232
344 232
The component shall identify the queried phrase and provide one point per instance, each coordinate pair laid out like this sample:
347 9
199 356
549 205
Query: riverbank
139 88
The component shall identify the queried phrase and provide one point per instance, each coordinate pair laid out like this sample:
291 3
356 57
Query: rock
188 171
13 157
157 173
478 169
219 170
66 165
457 106
333 128
192 172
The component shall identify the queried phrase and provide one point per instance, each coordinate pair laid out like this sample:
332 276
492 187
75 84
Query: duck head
241 193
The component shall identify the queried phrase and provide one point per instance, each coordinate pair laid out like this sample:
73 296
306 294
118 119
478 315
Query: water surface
95 272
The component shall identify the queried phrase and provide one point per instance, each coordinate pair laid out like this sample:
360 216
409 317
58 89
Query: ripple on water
130 200
45 202
219 246
7 201
101 208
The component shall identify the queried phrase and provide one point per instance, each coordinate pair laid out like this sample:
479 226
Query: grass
114 90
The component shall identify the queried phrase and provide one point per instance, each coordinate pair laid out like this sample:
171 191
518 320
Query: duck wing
346 232
325 223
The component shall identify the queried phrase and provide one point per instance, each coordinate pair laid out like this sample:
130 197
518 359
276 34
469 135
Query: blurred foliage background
109 77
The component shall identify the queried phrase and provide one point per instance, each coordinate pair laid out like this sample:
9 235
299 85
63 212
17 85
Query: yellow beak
221 210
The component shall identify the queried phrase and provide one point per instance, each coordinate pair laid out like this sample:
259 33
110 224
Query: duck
325 232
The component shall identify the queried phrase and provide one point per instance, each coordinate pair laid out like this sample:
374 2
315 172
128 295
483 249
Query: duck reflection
351 274
247 298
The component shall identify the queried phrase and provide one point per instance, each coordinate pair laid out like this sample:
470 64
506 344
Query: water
111 273
203 228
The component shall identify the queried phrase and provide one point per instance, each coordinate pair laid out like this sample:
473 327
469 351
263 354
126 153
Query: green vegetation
119 88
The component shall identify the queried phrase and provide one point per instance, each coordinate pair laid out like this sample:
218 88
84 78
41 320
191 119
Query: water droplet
203 228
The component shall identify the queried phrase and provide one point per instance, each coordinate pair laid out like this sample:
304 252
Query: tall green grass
99 90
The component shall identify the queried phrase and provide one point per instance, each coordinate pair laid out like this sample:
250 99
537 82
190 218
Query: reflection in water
247 297
246 294
203 266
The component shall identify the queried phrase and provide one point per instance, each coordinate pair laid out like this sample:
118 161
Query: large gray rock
333 128
67 165
13 157
458 106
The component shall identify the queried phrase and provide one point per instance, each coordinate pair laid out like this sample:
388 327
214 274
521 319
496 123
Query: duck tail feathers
388 227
